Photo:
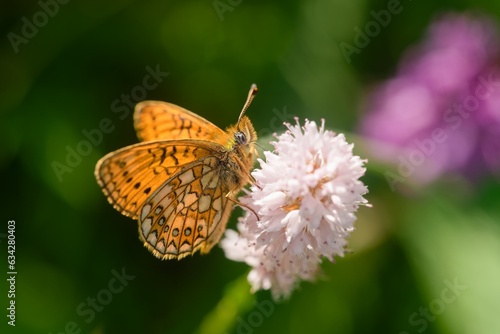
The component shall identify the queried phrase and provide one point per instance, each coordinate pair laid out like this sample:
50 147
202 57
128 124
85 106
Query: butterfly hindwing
187 213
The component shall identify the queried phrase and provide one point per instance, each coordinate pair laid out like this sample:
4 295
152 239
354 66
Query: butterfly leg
247 173
241 204
253 181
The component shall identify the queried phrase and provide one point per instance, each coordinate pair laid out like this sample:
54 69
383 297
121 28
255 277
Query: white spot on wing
179 192
145 211
185 248
163 192
206 169
206 178
187 177
190 199
160 247
216 205
204 203
217 218
146 226
152 239
214 182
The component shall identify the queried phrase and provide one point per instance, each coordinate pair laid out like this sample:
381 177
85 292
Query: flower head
306 194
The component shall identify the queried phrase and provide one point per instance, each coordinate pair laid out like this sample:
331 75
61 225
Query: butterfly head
243 136
243 133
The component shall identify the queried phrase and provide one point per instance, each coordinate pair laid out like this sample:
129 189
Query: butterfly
180 182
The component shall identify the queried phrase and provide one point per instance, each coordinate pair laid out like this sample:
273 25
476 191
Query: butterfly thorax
240 152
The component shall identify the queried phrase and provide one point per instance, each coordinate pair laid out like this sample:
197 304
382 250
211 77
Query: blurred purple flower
441 112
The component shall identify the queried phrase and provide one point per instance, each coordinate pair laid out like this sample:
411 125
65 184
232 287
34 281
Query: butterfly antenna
251 94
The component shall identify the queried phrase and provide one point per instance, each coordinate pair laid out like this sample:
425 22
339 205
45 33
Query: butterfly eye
240 138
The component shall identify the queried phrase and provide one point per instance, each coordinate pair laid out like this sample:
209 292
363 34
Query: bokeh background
424 259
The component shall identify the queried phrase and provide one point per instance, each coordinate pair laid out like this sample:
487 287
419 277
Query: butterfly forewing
187 213
156 120
129 176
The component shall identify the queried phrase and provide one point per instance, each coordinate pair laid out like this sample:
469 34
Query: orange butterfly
181 181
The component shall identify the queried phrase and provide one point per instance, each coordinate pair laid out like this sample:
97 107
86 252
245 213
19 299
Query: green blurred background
406 252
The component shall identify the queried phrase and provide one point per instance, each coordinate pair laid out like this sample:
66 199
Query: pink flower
306 195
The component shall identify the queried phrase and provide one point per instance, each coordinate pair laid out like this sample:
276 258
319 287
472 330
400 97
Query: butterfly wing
179 183
188 213
156 120
130 175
